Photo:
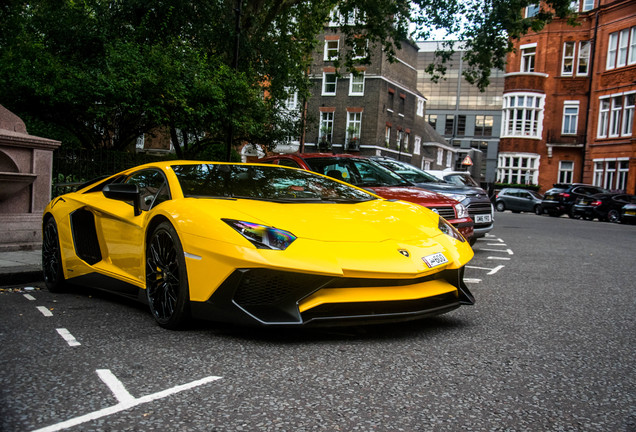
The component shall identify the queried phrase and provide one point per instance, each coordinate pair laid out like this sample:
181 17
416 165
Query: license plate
484 218
435 260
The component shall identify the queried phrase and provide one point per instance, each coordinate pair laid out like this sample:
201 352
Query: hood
372 221
453 189
413 194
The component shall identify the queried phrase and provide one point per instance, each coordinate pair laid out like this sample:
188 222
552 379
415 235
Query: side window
288 163
152 186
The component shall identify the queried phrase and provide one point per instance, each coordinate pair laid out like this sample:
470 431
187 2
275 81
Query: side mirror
124 192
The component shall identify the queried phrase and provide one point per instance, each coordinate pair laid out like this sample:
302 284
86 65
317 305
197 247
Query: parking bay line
29 297
44 311
498 258
68 337
509 251
126 400
491 271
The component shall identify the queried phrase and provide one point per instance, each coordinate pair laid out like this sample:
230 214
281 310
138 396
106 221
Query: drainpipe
589 93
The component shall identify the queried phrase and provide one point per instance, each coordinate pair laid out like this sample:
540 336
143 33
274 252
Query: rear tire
613 216
52 258
167 279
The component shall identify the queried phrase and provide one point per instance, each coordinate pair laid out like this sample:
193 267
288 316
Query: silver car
518 200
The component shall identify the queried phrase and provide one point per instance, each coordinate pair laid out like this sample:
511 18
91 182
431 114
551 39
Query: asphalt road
549 346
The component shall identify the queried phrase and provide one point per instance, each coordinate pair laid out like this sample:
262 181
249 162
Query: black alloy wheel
538 210
51 257
613 216
166 278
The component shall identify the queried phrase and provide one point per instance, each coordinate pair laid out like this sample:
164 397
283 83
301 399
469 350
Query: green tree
100 73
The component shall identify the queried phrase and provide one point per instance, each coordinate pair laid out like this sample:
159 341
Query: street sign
467 161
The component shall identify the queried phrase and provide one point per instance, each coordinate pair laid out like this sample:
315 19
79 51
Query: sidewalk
20 267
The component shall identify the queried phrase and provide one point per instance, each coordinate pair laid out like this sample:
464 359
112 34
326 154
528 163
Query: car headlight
456 197
462 211
449 230
262 236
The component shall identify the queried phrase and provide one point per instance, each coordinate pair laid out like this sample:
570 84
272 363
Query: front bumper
258 296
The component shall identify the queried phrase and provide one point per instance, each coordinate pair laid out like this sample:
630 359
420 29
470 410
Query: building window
567 67
603 115
532 10
628 114
354 125
518 168
615 116
528 53
420 107
449 159
598 173
360 47
611 173
356 85
400 140
449 127
326 127
417 142
566 171
461 125
623 172
587 5
387 136
483 125
406 142
291 103
331 49
570 117
440 156
621 48
329 82
432 120
523 115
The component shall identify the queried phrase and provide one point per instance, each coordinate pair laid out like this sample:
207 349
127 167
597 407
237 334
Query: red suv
366 174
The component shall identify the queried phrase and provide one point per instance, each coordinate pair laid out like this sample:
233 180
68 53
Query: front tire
167 279
500 206
538 210
51 257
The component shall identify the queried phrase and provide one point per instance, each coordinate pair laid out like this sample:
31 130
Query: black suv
560 199
473 197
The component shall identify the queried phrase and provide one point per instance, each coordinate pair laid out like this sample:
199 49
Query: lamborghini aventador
254 244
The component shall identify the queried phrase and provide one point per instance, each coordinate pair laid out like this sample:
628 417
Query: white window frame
449 159
568 58
570 119
622 172
623 45
523 115
387 136
610 173
356 81
583 57
587 5
566 171
324 83
612 48
616 109
628 113
329 54
420 107
518 168
528 57
631 58
440 156
603 117
291 103
598 172
417 142
532 10
354 119
326 120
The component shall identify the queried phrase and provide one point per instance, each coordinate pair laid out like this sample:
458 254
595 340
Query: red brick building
568 109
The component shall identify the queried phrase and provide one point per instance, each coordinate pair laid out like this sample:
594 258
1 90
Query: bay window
523 115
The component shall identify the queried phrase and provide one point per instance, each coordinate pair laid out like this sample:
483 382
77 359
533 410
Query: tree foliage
100 73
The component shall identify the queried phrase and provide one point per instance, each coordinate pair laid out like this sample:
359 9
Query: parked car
628 213
455 177
604 207
560 199
254 244
472 196
364 173
518 200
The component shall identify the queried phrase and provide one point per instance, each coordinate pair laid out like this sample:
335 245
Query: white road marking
45 311
468 280
126 400
29 297
496 244
491 271
499 258
68 337
509 251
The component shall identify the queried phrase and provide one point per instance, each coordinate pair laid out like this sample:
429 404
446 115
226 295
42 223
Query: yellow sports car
254 244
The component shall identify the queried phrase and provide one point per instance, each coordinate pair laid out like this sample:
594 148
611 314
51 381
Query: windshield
461 180
359 172
408 172
269 183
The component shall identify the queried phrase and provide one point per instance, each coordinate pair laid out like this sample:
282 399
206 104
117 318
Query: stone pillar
26 163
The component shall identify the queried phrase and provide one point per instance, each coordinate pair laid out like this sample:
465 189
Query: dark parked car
473 197
518 200
604 207
366 174
560 199
628 213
